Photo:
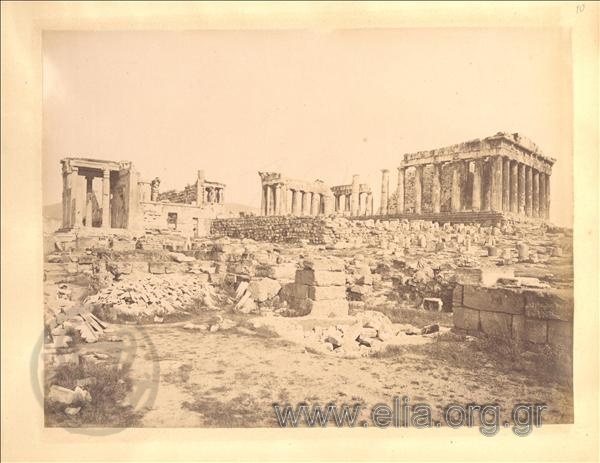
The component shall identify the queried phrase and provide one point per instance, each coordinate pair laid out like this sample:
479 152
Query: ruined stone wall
186 196
534 316
156 216
275 229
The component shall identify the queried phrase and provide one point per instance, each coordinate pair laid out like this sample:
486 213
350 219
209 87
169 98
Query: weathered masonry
106 195
504 173
283 196
355 199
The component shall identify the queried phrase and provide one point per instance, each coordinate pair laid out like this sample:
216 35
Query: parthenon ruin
504 173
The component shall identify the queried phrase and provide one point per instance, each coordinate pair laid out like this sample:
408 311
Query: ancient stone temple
285 196
505 174
353 200
103 195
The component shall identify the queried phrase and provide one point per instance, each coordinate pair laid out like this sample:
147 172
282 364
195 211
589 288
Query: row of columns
276 201
78 197
343 204
213 195
511 186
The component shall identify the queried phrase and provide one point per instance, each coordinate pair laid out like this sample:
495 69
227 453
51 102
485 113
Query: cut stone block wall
535 316
275 229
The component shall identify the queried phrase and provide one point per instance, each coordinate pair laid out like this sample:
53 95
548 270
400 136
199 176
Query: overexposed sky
310 104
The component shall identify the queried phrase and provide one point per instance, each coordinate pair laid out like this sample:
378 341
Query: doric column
514 187
295 208
547 195
371 205
278 200
89 205
199 187
347 205
263 200
400 190
106 198
542 201
385 189
436 189
306 199
418 188
496 183
455 205
222 195
315 203
476 190
354 199
535 197
521 189
506 184
269 195
528 191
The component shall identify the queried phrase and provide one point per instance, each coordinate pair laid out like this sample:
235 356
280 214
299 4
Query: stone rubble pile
361 335
153 296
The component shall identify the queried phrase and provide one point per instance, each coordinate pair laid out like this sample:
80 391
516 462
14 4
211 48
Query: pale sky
310 104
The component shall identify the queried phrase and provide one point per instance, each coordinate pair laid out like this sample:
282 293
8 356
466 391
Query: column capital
106 173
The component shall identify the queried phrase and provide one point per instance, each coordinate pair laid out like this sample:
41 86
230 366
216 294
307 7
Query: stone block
278 272
560 333
319 293
490 275
457 295
293 291
536 331
518 327
468 276
496 324
156 267
328 309
141 267
330 264
494 299
264 289
320 278
466 319
549 305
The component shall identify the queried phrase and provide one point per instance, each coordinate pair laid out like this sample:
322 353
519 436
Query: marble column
506 184
514 187
476 190
385 189
263 200
521 189
535 193
547 195
278 199
106 198
315 204
306 199
354 198
371 205
89 204
269 199
347 205
418 189
528 191
295 203
222 196
542 197
400 190
455 205
496 183
68 195
436 189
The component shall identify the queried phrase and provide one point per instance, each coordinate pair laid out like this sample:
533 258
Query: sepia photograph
307 227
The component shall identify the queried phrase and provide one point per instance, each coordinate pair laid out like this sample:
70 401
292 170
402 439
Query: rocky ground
214 335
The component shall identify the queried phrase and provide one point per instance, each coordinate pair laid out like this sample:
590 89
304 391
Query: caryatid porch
504 173
353 200
283 196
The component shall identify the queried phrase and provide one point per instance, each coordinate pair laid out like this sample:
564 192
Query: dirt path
230 379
